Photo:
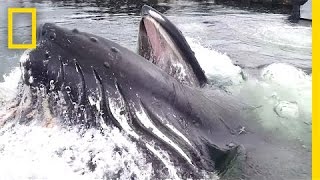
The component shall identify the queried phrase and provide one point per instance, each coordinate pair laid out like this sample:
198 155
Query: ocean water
260 58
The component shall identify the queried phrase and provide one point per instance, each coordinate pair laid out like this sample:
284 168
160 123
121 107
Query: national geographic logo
33 12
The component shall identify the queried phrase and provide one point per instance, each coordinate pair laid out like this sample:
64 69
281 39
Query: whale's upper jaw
162 43
149 11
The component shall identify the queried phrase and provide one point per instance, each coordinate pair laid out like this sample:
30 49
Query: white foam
282 97
285 75
287 109
9 87
218 67
52 153
290 84
25 56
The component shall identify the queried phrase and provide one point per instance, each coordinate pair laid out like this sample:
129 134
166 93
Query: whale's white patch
52 86
115 109
77 69
177 132
165 161
144 119
31 79
174 130
95 101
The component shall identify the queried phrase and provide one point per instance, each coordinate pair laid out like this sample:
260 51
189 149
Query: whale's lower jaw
49 108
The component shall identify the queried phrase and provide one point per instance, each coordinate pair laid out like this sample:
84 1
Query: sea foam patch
9 87
34 152
218 67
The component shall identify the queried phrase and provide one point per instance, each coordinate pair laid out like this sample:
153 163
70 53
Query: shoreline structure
291 7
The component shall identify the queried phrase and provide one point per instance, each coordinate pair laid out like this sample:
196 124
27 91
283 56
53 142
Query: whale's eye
93 39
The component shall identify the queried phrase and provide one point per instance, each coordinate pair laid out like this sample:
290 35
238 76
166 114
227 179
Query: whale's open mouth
155 43
164 45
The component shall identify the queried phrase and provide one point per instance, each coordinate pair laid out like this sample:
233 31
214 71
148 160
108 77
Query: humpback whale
157 99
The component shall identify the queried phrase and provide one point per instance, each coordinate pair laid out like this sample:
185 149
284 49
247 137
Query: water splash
218 67
281 96
57 153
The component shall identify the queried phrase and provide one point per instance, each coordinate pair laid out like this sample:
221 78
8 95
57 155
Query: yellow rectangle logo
11 12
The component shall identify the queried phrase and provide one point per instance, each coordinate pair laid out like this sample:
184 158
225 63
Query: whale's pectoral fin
164 45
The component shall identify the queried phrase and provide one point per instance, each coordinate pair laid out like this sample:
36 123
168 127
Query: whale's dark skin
90 72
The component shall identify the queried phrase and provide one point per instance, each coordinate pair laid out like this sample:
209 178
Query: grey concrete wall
291 7
265 2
